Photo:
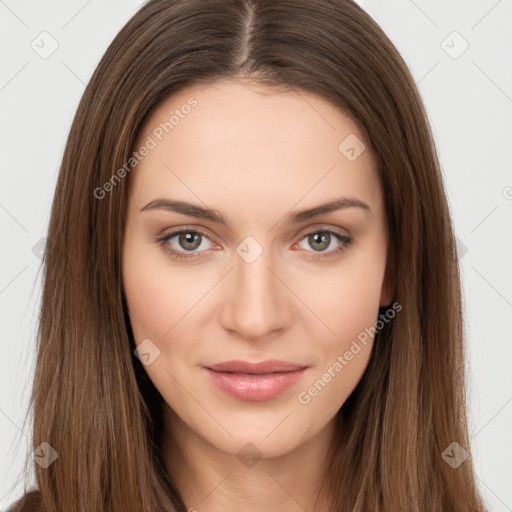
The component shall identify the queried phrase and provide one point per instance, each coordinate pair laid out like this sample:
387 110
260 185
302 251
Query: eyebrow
193 210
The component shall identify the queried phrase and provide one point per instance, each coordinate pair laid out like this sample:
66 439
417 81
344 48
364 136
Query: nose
255 305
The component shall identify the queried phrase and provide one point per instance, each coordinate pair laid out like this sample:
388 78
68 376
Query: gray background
468 95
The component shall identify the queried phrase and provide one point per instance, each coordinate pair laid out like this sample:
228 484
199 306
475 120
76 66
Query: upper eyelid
301 235
319 227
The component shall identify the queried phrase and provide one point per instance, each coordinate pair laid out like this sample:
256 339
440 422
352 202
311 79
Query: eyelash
346 241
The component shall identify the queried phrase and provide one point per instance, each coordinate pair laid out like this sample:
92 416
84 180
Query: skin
256 155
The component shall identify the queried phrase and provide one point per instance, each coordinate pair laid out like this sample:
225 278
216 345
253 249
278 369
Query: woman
253 368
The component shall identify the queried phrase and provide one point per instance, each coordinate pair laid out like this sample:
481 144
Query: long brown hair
92 400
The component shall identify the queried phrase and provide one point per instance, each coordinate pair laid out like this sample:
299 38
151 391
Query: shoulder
30 502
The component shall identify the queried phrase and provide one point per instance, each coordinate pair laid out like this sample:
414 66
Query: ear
387 290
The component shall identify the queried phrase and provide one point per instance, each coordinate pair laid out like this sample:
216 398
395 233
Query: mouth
255 381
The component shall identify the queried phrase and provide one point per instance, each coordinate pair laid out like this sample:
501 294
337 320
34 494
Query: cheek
324 394
157 295
347 300
152 300
357 306
343 354
158 301
149 304
348 304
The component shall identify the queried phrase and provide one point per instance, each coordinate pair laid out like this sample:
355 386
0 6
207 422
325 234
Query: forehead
253 142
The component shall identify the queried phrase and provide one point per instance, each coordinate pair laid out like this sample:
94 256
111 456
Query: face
221 264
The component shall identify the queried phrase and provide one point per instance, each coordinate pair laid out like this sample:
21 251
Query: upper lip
262 367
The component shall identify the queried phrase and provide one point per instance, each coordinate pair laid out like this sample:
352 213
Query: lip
268 366
255 381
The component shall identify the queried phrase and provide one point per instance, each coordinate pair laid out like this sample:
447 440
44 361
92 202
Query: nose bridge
256 303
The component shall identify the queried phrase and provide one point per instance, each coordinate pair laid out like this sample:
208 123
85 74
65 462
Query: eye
325 238
190 242
188 239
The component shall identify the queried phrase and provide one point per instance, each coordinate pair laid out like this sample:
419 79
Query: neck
209 480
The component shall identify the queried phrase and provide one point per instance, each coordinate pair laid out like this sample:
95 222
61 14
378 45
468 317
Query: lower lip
255 387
